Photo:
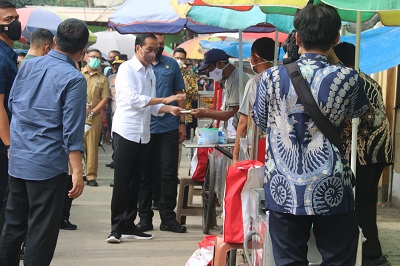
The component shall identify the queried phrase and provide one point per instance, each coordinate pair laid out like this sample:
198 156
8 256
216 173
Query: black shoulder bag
306 98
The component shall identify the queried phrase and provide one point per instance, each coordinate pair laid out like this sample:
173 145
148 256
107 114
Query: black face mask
12 30
159 51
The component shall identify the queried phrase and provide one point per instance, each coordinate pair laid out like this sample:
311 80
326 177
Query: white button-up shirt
135 85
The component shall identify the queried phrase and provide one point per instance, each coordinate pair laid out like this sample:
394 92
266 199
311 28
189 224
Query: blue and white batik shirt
304 173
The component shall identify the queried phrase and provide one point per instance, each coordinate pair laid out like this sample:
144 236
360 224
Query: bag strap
306 98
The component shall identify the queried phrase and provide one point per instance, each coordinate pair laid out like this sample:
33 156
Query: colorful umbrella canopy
34 18
160 17
346 9
231 18
193 48
250 36
388 10
112 40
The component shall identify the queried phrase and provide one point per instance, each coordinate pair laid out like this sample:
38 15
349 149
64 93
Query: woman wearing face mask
262 56
203 84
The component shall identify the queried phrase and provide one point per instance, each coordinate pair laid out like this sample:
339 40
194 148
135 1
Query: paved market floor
91 212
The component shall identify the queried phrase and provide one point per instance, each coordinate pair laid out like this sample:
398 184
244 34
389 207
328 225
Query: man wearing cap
98 93
217 66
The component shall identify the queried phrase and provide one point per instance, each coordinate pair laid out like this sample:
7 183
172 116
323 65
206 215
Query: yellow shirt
97 86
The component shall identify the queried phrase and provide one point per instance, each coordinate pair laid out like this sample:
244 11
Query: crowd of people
60 98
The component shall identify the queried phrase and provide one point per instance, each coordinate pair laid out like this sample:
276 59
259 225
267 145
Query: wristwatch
182 123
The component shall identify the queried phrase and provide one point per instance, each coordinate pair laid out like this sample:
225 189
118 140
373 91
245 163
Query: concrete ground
91 212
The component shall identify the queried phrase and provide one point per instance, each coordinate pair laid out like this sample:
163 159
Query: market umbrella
250 36
113 40
230 18
193 48
33 18
158 17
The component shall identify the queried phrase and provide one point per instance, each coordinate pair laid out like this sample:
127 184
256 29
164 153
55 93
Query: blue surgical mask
94 63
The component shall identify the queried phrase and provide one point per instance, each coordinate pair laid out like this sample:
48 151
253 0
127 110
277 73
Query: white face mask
216 74
181 63
265 61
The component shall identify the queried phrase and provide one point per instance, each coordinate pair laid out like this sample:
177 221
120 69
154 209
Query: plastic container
221 137
209 135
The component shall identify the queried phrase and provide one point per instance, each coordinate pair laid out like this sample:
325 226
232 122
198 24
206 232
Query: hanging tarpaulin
380 49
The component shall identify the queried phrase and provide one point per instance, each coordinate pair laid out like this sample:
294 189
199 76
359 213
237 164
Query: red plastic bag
240 178
204 254
198 164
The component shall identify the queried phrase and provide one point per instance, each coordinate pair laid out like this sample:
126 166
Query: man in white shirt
136 102
262 56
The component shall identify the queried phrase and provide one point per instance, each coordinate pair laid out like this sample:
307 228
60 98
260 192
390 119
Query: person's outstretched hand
199 112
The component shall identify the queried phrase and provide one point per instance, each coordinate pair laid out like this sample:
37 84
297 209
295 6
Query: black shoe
92 183
112 184
156 205
66 225
114 238
111 165
135 234
144 226
84 178
173 226
382 261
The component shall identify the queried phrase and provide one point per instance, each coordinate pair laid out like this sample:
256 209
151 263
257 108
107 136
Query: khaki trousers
92 140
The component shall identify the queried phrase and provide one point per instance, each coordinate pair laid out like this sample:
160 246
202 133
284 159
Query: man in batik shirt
308 181
374 151
191 88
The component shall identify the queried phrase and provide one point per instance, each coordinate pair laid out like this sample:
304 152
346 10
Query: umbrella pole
276 48
356 121
241 91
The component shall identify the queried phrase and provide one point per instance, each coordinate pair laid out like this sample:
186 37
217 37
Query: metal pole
276 48
241 87
356 121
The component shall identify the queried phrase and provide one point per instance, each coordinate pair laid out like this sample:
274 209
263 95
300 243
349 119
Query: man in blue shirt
10 31
166 133
48 104
308 180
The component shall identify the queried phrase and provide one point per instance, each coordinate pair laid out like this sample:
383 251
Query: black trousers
336 237
130 160
3 187
366 199
33 210
162 174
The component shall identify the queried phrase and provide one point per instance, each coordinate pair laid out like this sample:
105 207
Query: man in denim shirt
48 104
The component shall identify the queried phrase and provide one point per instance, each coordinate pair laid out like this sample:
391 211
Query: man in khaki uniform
97 96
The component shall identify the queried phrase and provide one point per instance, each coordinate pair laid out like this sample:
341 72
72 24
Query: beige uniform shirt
97 87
